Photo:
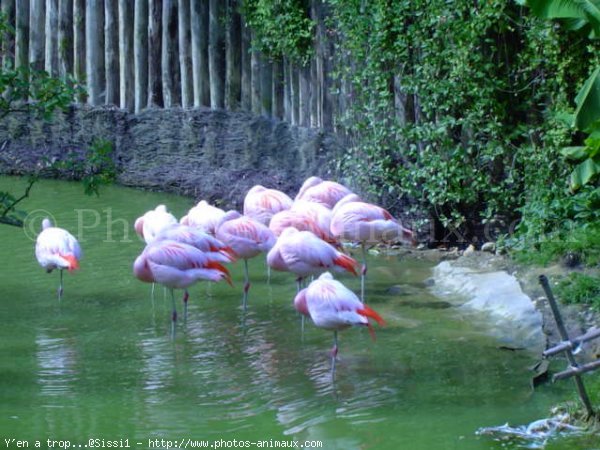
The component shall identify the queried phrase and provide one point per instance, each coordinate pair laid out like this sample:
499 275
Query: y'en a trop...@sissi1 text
160 443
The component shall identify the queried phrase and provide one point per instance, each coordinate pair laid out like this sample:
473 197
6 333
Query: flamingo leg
334 352
173 315
363 272
299 281
186 297
60 286
246 285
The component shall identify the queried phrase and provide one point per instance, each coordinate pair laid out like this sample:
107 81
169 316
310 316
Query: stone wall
213 155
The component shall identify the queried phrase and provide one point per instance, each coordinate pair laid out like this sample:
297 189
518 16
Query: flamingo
326 192
214 249
299 220
176 265
261 203
303 254
56 248
152 222
247 237
366 223
333 306
203 216
321 215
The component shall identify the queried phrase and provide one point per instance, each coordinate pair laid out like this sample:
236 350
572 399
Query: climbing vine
458 107
282 27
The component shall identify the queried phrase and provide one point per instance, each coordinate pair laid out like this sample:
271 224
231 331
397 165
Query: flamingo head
46 223
141 270
300 303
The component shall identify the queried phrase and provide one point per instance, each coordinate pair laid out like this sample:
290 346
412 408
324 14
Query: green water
101 363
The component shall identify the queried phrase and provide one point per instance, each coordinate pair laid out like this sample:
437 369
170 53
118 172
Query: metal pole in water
565 337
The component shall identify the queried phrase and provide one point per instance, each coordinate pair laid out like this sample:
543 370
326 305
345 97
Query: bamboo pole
155 95
126 75
65 37
37 9
51 48
111 51
79 42
22 33
568 345
140 55
577 370
185 57
8 43
92 46
565 337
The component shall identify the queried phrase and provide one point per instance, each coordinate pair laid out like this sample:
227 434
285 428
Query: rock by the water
489 247
497 298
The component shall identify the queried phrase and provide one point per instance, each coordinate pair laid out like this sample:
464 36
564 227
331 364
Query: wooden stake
565 337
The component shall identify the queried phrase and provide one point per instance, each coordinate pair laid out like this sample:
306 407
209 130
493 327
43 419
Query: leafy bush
458 108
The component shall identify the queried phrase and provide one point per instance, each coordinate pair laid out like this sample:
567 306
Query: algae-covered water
100 366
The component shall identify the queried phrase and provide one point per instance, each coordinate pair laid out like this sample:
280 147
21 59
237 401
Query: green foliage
25 90
580 288
543 249
481 93
578 15
589 157
281 27
95 167
9 214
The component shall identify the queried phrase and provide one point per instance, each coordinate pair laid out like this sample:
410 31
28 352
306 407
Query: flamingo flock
301 236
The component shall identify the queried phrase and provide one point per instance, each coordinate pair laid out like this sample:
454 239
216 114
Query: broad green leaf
579 13
588 103
574 153
557 9
583 173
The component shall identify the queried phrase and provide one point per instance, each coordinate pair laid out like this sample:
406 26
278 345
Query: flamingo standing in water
203 216
177 266
326 192
299 220
321 215
214 249
261 203
247 238
303 254
366 223
333 306
153 222
56 248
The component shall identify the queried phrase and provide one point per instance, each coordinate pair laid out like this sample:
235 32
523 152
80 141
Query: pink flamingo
56 248
214 249
366 223
261 203
303 254
204 217
333 306
152 222
247 237
328 193
210 245
176 265
295 219
321 215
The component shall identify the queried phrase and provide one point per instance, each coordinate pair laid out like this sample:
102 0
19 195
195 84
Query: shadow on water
102 363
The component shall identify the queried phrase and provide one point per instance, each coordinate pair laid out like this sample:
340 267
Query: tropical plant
582 16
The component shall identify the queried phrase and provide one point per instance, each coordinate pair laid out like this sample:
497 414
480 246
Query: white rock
497 299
